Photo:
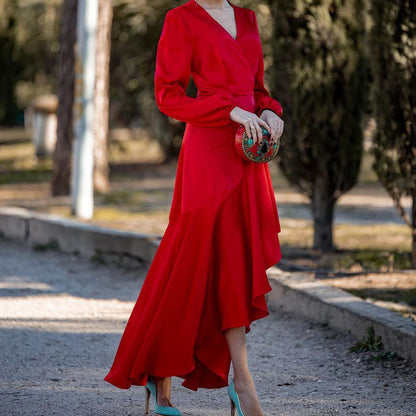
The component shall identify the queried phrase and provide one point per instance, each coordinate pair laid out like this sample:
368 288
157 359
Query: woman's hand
251 122
275 123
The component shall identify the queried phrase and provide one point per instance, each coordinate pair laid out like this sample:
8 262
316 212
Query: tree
101 101
136 30
66 77
9 62
393 96
320 75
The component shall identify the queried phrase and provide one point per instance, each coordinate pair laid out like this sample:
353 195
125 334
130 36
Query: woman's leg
243 381
163 386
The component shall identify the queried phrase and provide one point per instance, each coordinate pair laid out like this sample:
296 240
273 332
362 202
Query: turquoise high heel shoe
159 410
235 401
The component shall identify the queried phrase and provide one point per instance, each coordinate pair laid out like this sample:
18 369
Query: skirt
209 272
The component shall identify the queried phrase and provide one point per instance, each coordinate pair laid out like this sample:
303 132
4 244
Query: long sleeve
261 94
172 75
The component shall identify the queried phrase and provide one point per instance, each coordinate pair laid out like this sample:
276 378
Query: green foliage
135 33
393 93
28 46
320 75
374 259
52 245
17 176
38 37
370 343
98 257
385 356
9 62
135 30
407 296
374 344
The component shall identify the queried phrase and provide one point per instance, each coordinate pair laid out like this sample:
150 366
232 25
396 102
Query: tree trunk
323 214
414 228
101 99
66 59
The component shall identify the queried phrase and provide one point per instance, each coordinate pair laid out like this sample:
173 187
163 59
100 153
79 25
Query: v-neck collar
236 19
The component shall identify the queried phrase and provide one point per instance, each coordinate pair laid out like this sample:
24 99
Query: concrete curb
39 230
311 298
293 292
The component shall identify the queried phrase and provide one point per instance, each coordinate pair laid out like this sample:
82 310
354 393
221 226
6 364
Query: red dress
209 272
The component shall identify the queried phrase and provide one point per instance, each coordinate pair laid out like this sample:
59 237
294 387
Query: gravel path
61 319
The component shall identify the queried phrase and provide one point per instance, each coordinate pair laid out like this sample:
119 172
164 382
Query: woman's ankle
244 382
163 390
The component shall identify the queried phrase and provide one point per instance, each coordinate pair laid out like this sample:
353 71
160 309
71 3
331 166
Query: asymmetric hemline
209 271
228 290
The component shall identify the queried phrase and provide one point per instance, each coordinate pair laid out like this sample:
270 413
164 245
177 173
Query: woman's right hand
251 123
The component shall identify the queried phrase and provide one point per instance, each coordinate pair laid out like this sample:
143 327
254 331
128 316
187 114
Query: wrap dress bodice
209 272
228 72
193 43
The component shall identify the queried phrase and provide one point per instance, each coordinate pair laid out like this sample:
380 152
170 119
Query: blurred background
345 180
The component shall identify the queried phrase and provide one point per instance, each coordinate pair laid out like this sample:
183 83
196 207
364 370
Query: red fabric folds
207 275
209 272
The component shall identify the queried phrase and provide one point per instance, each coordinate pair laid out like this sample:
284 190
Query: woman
207 281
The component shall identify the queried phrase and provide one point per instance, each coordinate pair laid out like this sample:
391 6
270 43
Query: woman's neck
213 4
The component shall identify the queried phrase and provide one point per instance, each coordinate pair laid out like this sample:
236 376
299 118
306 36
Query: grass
134 151
135 201
372 259
407 296
381 247
122 197
18 163
52 245
369 343
387 237
25 176
372 344
114 214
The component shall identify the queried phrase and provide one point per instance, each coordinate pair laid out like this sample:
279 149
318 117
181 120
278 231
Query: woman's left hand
274 122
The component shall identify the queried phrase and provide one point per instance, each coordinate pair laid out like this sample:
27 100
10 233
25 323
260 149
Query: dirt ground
61 318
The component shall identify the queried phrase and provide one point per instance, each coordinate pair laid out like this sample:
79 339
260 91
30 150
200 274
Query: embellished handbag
255 152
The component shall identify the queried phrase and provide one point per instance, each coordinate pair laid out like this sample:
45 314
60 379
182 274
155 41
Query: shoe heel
232 408
147 401
235 401
151 390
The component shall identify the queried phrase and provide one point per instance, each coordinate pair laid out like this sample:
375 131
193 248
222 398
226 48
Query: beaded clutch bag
255 152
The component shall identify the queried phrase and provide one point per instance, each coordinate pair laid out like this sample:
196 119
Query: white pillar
82 184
